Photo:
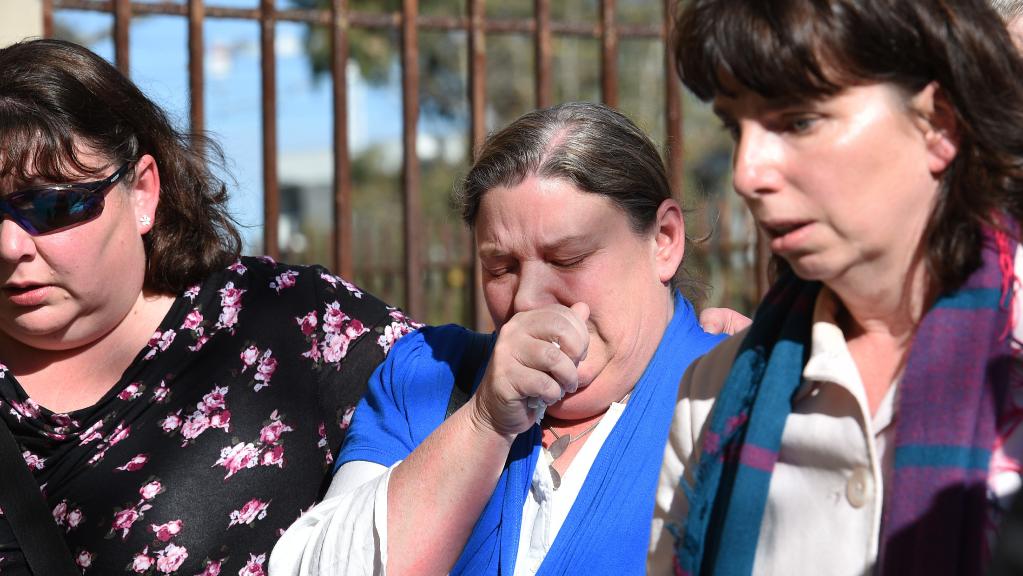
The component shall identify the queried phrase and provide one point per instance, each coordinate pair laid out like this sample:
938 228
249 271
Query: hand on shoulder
723 321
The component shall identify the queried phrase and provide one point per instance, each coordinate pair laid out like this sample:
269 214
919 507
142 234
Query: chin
568 410
582 404
810 271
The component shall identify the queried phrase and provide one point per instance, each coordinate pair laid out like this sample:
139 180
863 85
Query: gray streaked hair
591 146
1009 10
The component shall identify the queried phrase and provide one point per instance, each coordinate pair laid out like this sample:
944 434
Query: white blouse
834 462
346 533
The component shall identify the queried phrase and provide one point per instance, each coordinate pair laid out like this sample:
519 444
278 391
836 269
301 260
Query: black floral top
218 436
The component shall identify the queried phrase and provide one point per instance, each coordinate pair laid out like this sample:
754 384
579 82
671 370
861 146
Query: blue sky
159 60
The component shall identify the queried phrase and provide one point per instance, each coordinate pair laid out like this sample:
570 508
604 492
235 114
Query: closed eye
569 262
495 270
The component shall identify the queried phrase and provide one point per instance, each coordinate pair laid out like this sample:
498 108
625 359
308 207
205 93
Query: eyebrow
489 250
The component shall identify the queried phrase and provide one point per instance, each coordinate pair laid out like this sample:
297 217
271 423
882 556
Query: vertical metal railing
478 132
196 62
672 104
343 264
122 21
341 20
47 18
410 160
609 53
543 63
268 64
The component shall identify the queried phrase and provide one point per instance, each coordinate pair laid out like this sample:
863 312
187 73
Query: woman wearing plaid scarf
868 421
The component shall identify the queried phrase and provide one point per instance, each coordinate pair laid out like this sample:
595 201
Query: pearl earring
145 220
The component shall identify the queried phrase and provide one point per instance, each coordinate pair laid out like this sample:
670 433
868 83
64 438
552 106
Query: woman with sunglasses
178 406
871 419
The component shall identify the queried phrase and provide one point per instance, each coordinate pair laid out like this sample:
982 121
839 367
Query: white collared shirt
545 510
346 533
833 464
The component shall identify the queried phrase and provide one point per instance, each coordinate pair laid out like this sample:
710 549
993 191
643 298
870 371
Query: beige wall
20 19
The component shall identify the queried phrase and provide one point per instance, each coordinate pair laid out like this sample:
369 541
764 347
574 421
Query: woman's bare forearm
437 494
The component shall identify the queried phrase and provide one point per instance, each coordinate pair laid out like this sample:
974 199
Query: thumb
581 311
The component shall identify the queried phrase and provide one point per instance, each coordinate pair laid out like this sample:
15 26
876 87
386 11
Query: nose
756 162
536 288
15 243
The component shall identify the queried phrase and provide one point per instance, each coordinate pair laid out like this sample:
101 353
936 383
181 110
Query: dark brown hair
57 98
802 50
595 148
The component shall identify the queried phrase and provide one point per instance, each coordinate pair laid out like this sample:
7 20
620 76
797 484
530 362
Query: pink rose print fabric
218 436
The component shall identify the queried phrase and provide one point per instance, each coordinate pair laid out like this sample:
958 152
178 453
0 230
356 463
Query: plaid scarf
949 403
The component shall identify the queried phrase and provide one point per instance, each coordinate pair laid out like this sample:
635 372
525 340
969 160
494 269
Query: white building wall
20 19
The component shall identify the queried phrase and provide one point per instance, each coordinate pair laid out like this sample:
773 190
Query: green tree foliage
720 259
443 87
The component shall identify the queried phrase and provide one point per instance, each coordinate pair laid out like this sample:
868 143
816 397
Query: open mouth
25 294
787 236
780 229
20 288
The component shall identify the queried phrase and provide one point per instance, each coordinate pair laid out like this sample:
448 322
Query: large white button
860 488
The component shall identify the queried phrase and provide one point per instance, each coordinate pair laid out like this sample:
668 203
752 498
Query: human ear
669 240
937 120
146 192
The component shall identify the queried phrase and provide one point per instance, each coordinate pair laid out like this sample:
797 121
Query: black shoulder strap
23 504
476 352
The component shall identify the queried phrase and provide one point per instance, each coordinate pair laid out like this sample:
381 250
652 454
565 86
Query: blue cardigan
607 531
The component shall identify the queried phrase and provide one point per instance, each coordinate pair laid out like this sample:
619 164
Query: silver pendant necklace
558 447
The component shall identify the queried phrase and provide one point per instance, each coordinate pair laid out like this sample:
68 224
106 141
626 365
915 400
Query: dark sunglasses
55 207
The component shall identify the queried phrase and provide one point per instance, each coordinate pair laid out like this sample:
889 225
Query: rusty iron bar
122 21
478 128
196 59
543 59
342 160
675 144
410 160
541 26
271 192
639 30
477 76
384 21
608 54
47 18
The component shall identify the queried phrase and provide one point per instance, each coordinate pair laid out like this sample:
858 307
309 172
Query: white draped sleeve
346 533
